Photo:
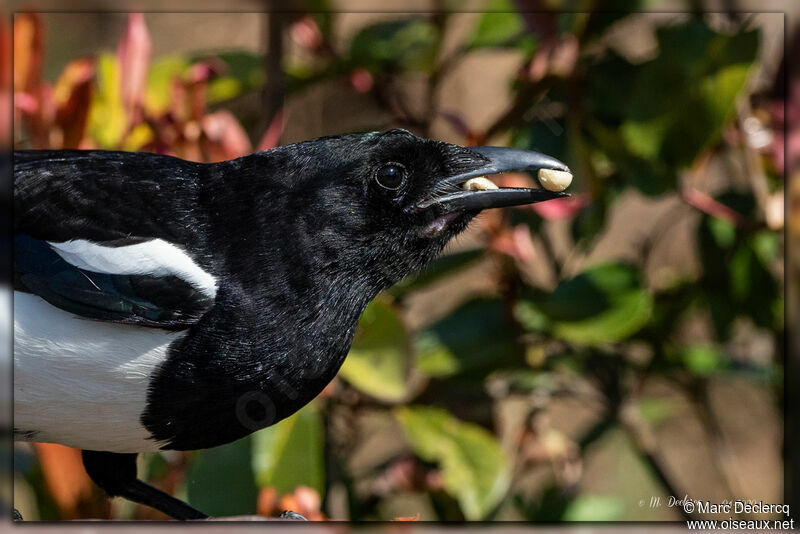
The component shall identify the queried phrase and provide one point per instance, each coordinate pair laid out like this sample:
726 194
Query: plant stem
723 455
550 254
641 435
274 92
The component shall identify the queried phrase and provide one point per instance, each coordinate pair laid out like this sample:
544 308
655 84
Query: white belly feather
80 382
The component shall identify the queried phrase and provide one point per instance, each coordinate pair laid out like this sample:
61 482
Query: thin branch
723 456
644 440
550 254
528 96
758 178
664 224
274 92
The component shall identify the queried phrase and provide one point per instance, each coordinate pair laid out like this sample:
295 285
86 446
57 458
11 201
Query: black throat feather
288 303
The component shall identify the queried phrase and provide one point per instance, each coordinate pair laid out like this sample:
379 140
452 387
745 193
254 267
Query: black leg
115 473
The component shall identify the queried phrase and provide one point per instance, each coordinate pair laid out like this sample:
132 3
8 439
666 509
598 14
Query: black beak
501 159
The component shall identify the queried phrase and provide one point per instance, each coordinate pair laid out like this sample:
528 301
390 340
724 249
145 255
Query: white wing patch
156 258
83 383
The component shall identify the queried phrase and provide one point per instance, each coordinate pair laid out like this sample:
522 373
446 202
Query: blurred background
581 359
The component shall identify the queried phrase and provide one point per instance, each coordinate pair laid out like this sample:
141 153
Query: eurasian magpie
165 304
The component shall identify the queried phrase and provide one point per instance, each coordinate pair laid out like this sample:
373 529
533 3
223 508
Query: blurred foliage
291 454
474 338
474 467
123 101
596 333
603 304
376 364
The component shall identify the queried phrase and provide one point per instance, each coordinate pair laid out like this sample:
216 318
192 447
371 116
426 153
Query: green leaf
245 73
766 245
156 467
595 508
159 83
655 409
434 358
654 118
591 220
291 453
740 267
530 316
475 336
107 117
680 101
724 232
603 304
609 85
702 360
222 89
626 314
500 27
737 280
398 45
543 136
220 481
644 138
377 361
475 468
139 136
600 21
527 381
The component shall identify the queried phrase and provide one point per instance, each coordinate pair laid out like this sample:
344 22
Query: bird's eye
391 176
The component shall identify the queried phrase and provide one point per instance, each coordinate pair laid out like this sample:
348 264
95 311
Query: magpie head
389 201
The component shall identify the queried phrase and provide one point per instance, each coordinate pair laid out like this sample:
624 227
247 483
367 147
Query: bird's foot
288 514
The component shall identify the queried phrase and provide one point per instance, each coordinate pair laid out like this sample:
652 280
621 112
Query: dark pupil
390 176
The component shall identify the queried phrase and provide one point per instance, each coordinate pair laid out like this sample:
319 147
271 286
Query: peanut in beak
554 180
480 183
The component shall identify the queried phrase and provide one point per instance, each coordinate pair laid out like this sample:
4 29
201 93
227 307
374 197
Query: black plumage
298 239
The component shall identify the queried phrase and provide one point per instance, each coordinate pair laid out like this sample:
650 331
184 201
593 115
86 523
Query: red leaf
361 80
226 137
133 54
556 57
783 114
64 475
707 204
26 102
306 33
72 95
28 51
561 208
304 501
540 19
203 71
5 54
196 85
273 134
39 112
458 123
515 242
407 518
267 502
5 117
6 92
